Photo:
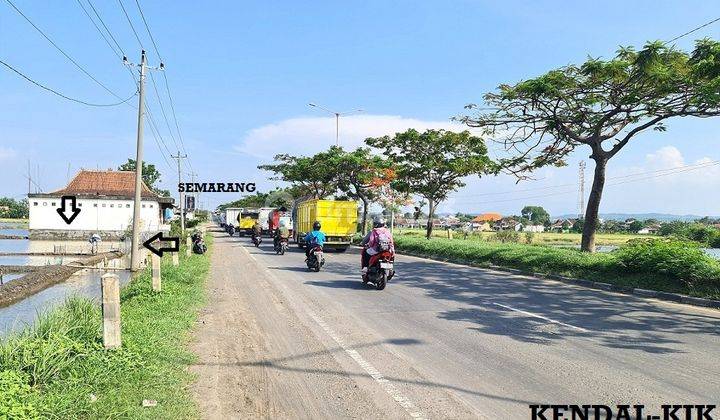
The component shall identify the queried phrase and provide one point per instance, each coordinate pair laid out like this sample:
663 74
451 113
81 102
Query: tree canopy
312 176
602 104
535 214
150 175
433 164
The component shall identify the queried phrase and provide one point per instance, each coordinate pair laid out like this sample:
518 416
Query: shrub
507 236
682 260
529 236
15 390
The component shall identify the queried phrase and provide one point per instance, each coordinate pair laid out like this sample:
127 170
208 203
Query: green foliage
15 391
14 209
529 237
693 231
535 214
508 235
311 176
150 175
433 164
51 369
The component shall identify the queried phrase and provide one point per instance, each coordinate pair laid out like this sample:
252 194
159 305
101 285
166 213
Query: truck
231 214
339 220
263 216
246 220
280 215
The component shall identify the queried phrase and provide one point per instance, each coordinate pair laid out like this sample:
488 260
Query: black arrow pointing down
74 210
159 251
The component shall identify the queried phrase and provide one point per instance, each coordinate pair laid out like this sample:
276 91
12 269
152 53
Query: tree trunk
593 206
364 215
431 214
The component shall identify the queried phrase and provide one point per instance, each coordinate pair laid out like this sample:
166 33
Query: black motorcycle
230 230
315 259
256 240
280 246
198 243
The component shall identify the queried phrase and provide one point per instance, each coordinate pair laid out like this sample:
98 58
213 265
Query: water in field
9 228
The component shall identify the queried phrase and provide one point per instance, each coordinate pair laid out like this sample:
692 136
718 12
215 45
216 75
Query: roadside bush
507 236
682 260
529 237
15 390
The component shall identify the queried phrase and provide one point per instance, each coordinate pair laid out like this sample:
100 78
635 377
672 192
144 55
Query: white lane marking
388 386
540 317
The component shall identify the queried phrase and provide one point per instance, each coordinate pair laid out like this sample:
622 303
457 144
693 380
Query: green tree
313 176
251 201
601 104
433 164
150 175
14 209
360 175
535 214
635 226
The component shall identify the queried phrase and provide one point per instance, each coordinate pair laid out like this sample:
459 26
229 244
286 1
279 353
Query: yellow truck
338 218
246 220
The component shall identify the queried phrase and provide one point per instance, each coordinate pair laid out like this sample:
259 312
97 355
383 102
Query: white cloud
309 135
6 153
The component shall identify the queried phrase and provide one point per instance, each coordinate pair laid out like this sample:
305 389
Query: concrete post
188 246
111 310
176 259
156 275
449 233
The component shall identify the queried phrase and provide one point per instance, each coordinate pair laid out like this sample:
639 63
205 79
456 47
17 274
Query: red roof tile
107 183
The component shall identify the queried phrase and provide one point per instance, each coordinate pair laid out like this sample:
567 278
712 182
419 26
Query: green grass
605 267
59 369
549 238
15 221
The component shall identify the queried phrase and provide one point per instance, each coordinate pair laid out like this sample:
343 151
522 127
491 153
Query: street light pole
337 119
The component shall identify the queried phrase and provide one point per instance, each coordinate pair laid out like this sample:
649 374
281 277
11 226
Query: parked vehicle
256 240
338 219
198 243
381 268
281 246
315 259
246 220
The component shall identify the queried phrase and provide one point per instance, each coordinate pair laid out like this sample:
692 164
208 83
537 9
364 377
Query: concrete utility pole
134 251
182 202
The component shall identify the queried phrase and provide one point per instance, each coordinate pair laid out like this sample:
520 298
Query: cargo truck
246 220
231 214
263 217
338 219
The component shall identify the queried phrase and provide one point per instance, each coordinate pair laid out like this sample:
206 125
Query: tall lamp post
337 119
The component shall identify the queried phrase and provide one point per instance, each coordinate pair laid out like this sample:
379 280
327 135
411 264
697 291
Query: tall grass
58 368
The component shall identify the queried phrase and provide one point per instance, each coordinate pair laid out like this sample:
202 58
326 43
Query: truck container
231 214
246 220
338 219
280 215
263 214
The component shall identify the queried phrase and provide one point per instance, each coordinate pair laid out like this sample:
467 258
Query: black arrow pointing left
175 247
74 210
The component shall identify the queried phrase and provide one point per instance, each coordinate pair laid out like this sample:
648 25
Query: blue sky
242 73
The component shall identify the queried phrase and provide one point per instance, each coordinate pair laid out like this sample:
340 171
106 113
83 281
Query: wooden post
156 275
188 246
176 259
111 311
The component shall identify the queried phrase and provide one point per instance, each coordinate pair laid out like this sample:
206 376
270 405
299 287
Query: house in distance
105 200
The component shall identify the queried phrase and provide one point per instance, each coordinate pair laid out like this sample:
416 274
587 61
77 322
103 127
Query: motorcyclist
314 238
282 232
371 242
257 229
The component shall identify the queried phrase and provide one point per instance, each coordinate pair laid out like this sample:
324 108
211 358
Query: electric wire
692 31
53 91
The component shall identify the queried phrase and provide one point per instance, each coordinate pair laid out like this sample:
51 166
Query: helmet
282 223
379 222
317 225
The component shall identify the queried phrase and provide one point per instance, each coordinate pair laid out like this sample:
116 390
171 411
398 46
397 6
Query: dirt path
258 360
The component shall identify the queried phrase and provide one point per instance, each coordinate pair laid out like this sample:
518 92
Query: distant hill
663 217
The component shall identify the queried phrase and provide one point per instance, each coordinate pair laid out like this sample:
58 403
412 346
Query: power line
81 68
40 85
102 34
106 28
692 30
127 16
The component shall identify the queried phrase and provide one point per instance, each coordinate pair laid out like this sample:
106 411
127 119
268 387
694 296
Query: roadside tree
150 175
313 177
433 164
601 104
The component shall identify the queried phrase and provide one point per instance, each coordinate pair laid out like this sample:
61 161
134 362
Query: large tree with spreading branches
434 163
600 104
311 176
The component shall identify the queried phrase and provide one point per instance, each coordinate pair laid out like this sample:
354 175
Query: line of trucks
338 218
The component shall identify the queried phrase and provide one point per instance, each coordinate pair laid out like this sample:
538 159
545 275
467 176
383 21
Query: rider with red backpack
377 240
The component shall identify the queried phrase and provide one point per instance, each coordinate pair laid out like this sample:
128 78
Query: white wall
95 215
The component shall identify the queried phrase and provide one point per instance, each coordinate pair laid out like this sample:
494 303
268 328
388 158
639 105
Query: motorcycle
315 259
256 240
230 230
198 244
380 269
281 246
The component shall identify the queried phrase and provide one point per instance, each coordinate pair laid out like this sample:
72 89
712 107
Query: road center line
384 383
540 317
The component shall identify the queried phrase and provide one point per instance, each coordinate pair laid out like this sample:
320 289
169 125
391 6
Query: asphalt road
441 341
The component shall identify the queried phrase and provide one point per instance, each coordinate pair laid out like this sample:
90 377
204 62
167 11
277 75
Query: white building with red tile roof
105 200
